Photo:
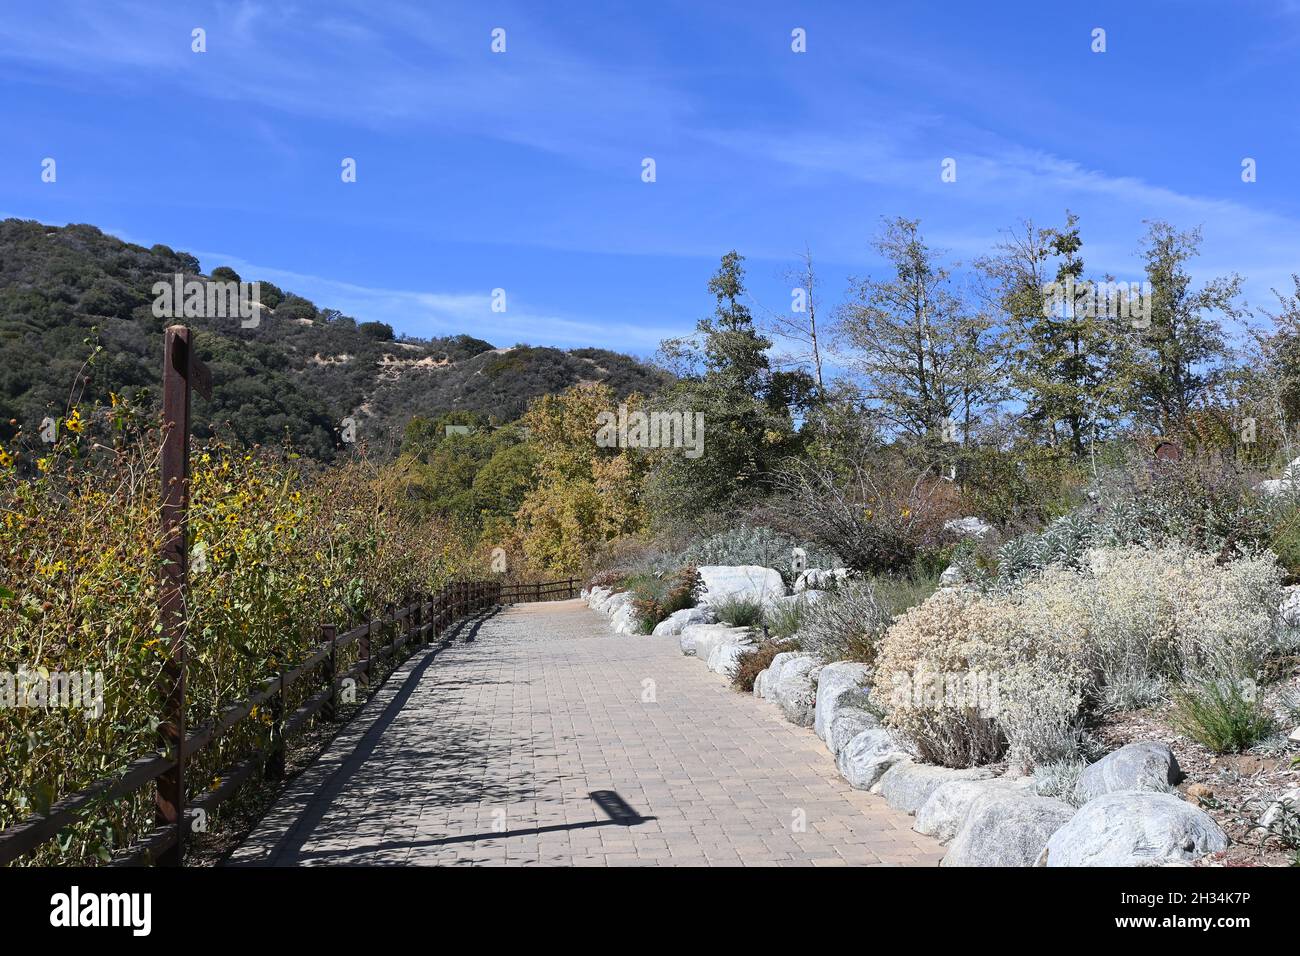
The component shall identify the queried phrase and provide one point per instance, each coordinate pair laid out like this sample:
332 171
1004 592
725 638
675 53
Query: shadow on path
444 751
621 815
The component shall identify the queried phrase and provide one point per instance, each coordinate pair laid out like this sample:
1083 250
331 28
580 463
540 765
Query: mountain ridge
295 376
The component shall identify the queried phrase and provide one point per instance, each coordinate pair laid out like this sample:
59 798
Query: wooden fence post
275 747
329 632
181 372
363 648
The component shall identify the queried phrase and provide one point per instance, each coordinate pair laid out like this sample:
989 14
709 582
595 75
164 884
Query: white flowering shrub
1118 631
1039 714
1173 614
929 669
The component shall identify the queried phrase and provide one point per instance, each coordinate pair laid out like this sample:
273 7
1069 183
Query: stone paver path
543 739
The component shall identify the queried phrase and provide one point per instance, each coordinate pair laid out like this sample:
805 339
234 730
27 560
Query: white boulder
908 785
1134 828
834 681
946 809
625 620
1145 765
744 582
678 621
724 656
700 639
849 721
866 757
795 691
952 577
779 663
613 602
1289 483
820 579
1007 828
970 527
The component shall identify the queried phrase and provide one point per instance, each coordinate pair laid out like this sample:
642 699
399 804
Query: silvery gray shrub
841 625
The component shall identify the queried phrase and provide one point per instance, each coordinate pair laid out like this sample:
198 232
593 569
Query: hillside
296 376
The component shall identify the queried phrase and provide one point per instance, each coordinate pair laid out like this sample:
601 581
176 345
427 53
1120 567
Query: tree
799 325
928 360
381 331
1179 357
1062 336
734 353
748 410
585 495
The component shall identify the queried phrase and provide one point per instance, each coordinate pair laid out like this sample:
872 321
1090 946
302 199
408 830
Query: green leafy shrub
739 612
1223 715
276 551
656 596
785 619
899 593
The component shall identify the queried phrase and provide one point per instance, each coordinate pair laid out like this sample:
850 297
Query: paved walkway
542 738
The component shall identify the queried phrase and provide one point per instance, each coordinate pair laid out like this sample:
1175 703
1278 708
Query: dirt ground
1235 789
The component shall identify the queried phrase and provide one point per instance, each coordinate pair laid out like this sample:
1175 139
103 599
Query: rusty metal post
181 372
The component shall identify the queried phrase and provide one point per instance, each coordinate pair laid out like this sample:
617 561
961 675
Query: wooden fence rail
423 619
426 620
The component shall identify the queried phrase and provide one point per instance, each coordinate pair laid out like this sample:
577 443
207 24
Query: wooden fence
424 619
523 593
421 622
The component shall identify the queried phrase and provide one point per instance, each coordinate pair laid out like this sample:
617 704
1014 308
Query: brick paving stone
488 752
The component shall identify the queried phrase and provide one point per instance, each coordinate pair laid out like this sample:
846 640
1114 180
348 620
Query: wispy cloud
427 69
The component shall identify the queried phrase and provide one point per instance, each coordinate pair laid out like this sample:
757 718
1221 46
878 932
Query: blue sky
522 170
